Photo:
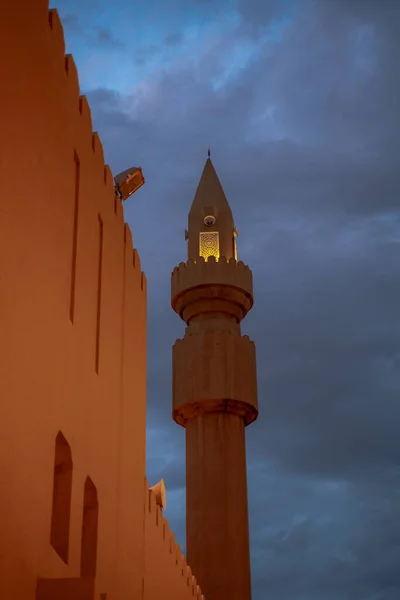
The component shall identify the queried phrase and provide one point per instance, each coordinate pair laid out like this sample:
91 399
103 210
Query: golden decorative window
209 244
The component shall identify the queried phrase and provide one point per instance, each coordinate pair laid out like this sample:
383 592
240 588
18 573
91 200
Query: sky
299 102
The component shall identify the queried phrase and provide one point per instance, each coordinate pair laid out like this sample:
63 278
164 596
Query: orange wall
59 321
167 574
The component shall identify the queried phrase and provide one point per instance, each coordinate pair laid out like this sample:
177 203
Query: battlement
166 556
199 272
66 116
80 114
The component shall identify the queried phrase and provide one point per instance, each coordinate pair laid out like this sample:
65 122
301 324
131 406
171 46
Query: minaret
215 393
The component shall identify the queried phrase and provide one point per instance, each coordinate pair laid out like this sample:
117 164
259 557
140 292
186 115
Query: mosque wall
167 573
75 521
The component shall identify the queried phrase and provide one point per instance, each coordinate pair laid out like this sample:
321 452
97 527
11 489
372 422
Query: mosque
78 520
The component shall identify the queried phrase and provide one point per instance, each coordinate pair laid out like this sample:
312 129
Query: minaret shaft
216 505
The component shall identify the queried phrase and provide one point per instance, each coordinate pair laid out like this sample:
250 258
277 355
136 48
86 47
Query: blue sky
121 47
298 101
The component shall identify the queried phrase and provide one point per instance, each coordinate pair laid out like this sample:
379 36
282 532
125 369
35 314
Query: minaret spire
209 153
211 226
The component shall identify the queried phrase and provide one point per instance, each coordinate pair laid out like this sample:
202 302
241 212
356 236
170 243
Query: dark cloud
260 14
105 38
172 39
304 138
71 24
77 24
145 53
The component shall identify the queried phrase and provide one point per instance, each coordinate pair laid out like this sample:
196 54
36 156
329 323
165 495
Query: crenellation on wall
178 553
163 553
108 179
98 151
135 259
143 282
193 585
73 87
128 236
166 529
152 506
85 118
57 32
182 564
116 203
188 574
170 542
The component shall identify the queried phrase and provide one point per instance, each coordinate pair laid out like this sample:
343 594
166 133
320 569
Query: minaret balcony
221 287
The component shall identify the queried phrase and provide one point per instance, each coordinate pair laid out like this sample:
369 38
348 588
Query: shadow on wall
83 587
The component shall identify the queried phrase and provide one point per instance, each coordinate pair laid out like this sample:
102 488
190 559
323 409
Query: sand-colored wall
167 573
72 335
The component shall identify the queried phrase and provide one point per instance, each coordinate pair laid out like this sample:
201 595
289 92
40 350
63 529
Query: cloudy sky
299 101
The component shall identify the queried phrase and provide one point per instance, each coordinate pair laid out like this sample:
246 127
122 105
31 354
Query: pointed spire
209 192
209 153
210 213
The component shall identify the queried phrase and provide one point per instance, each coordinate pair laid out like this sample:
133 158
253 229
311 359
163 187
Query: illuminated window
209 244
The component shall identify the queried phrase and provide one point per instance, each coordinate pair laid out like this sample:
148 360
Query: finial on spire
209 153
